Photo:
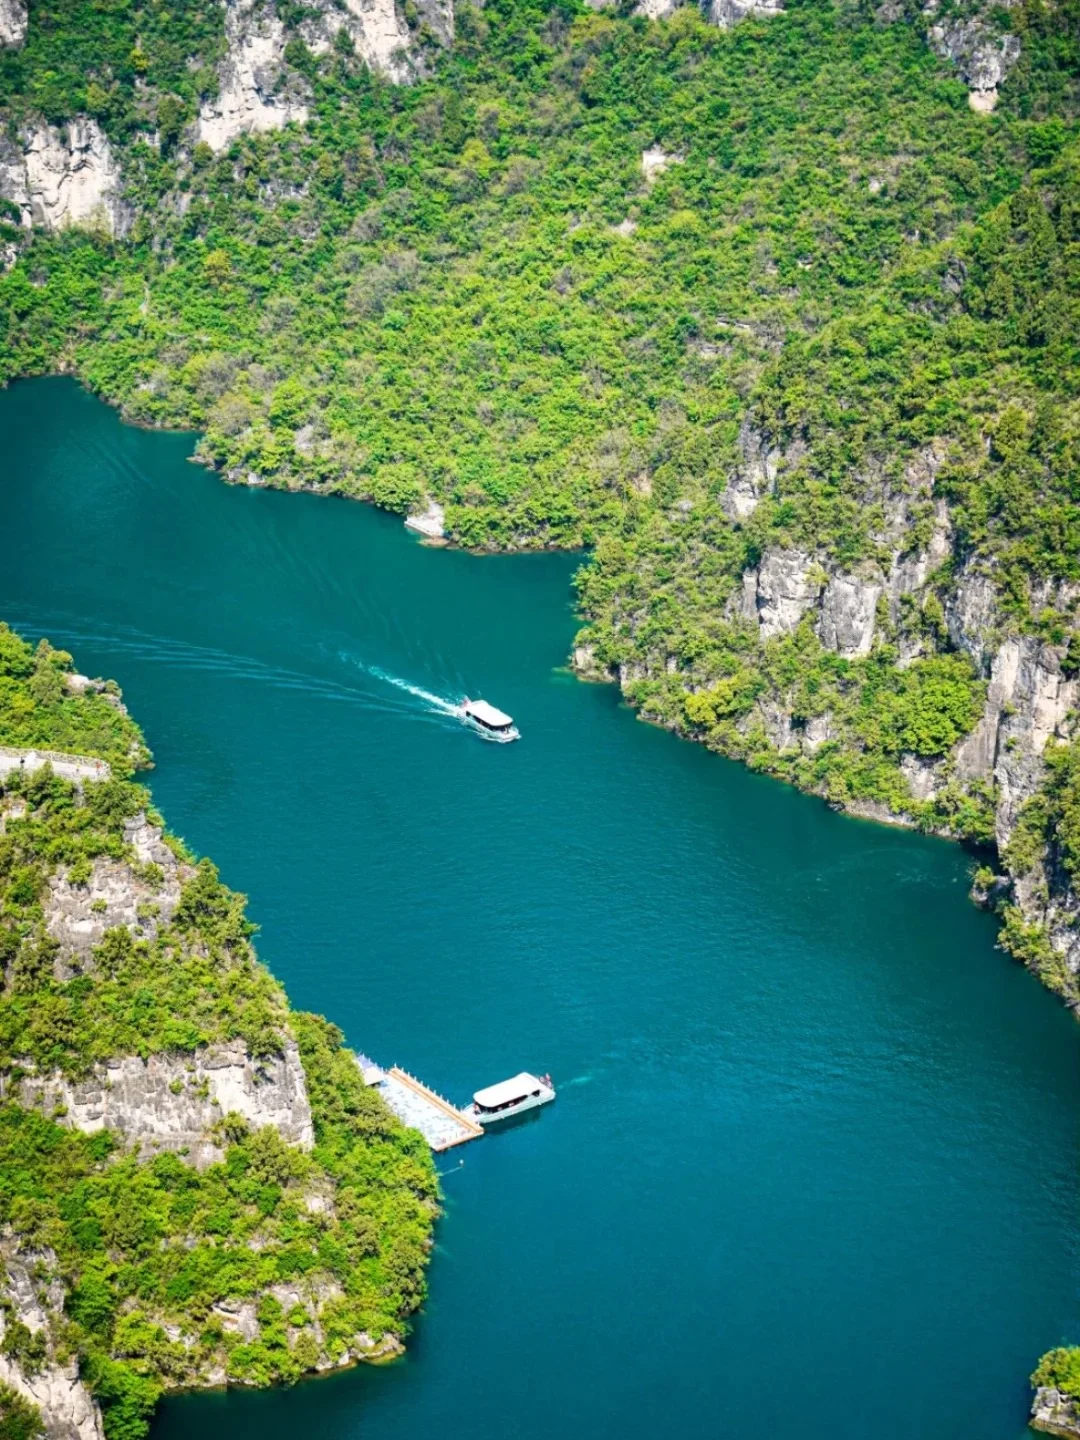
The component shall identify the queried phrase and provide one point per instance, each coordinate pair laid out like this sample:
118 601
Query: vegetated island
196 1186
775 310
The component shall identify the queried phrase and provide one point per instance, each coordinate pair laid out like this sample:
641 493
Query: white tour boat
510 1097
488 721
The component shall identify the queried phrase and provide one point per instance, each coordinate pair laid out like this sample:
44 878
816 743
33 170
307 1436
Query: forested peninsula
772 308
196 1185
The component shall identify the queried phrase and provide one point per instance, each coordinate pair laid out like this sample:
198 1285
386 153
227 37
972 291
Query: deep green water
813 1165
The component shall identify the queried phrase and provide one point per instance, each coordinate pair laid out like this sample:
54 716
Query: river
813 1164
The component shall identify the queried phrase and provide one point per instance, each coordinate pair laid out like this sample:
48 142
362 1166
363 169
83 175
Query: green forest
147 1247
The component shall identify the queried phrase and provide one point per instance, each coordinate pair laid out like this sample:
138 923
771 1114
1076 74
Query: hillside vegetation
276 1258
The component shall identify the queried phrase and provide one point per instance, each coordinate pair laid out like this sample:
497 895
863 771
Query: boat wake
438 704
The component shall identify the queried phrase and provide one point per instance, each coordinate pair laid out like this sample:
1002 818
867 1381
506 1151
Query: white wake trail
438 703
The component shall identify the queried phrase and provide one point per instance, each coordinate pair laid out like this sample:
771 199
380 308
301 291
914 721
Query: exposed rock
726 13
848 610
430 522
67 1410
12 22
585 664
817 732
377 29
63 177
757 469
923 776
258 92
971 616
909 571
78 915
982 57
249 100
66 1407
1028 700
655 161
781 591
170 1102
1055 1413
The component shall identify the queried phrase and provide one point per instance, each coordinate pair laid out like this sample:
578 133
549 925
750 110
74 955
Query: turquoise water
813 1165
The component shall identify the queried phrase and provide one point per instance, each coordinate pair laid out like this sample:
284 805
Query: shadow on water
825 1161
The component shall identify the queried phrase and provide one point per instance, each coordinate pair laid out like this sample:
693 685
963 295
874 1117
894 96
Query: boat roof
488 714
507 1090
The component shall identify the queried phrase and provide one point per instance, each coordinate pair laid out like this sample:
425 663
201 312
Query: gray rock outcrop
171 1102
12 22
78 915
67 1409
784 587
848 612
257 91
1055 1413
724 13
64 177
1028 701
250 99
982 57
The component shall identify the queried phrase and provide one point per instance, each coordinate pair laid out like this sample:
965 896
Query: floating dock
441 1124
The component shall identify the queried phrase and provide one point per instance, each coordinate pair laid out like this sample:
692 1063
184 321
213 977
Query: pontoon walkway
440 1123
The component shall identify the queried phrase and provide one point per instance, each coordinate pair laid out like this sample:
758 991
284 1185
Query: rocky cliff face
77 915
65 177
982 56
257 91
1055 1413
30 1293
172 1102
12 22
915 570
721 12
253 94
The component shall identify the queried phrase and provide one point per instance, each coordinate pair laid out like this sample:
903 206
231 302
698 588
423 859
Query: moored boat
487 721
510 1097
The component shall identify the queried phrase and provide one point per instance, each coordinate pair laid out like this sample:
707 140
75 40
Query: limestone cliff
64 177
982 56
174 1102
254 93
258 92
12 22
30 1293
724 13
